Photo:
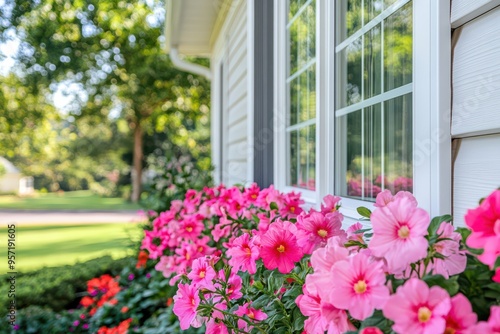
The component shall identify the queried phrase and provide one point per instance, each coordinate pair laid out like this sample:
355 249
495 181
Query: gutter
188 66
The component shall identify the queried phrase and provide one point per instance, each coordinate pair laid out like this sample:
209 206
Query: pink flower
490 327
455 259
460 317
186 302
371 330
484 222
385 197
315 229
496 277
279 248
155 243
322 316
359 286
418 309
202 273
215 324
399 231
243 254
330 204
251 313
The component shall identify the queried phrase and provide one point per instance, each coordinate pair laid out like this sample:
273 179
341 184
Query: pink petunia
371 330
186 302
243 254
215 324
461 317
251 313
496 277
330 204
359 286
418 309
315 229
322 316
492 326
279 248
484 222
202 273
399 231
455 259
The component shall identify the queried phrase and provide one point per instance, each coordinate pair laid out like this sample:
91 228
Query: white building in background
349 97
13 181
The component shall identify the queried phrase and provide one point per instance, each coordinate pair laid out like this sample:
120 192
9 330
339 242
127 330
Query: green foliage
57 288
174 177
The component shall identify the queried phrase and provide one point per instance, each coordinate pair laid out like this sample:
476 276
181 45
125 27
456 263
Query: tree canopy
109 55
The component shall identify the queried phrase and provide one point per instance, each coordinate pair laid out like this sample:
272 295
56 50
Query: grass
55 245
74 200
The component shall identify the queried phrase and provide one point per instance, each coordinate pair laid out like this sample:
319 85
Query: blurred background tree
123 97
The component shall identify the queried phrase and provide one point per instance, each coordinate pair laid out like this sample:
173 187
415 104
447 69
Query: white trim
431 105
304 68
184 65
279 119
397 92
250 10
301 125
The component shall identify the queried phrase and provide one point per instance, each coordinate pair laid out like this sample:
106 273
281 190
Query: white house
350 97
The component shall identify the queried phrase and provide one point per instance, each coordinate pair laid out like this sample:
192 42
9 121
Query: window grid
381 98
295 131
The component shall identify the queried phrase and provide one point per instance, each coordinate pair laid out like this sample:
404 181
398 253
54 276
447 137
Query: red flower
142 259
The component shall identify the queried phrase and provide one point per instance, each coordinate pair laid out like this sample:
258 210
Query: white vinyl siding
476 77
477 173
463 11
475 113
232 53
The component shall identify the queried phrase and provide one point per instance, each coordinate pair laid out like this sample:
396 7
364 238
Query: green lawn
55 245
74 200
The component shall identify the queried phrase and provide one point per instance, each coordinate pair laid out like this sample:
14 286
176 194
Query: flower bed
241 260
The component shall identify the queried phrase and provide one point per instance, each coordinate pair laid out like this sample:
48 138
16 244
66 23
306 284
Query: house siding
475 124
231 53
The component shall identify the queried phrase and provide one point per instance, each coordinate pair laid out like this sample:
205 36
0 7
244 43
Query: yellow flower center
188 256
292 209
189 229
193 301
404 232
251 315
424 314
280 248
254 196
360 287
449 330
202 274
248 251
322 233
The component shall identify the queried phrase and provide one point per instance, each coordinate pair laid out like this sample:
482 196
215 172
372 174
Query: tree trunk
137 179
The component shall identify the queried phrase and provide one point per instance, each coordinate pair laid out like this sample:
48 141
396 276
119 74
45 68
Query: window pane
307 175
372 9
303 96
398 48
302 35
398 169
349 13
349 74
293 7
372 73
293 158
362 174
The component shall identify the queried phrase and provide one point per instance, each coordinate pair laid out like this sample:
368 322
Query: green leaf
273 206
450 285
364 212
436 222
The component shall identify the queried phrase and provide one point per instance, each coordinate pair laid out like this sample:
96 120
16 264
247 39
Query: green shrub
57 288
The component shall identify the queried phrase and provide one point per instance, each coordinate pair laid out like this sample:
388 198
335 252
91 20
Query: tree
113 51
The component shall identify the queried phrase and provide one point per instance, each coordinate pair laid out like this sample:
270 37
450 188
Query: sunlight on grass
39 246
73 200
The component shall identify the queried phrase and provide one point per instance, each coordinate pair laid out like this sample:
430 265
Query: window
373 107
301 94
362 100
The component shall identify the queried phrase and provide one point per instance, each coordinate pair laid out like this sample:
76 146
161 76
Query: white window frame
431 106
